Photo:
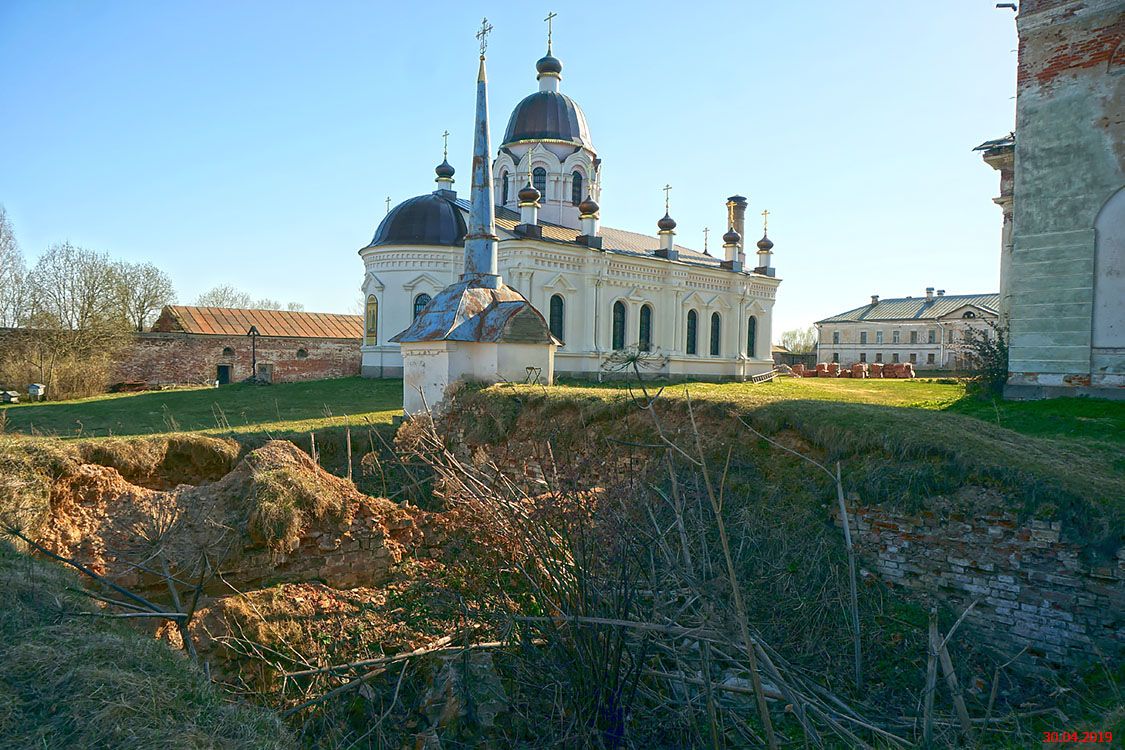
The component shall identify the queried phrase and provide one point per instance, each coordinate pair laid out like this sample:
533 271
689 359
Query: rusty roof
467 311
228 321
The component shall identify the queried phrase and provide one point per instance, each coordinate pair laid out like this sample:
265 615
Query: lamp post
253 334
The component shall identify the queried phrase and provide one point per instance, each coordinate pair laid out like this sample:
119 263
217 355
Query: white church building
600 289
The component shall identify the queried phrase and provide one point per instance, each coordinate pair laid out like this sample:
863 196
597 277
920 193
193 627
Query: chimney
941 292
874 299
929 294
736 218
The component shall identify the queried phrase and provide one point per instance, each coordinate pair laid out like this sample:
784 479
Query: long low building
925 331
190 345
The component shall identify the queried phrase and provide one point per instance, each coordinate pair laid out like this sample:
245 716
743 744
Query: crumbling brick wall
183 358
1032 587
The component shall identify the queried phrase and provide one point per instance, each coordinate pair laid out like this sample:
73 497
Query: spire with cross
482 35
666 189
445 146
550 23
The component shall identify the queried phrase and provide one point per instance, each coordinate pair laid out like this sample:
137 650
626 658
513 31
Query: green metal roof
916 308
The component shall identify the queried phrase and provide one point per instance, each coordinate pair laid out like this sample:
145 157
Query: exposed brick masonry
1033 588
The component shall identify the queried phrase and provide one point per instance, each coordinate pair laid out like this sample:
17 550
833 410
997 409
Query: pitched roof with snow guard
228 321
916 308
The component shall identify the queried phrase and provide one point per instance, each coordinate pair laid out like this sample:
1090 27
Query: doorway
222 374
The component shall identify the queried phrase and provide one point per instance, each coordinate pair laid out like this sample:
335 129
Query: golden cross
765 221
549 19
388 204
482 35
666 189
445 148
706 233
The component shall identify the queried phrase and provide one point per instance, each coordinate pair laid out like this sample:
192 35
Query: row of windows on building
913 357
539 181
556 320
896 337
228 353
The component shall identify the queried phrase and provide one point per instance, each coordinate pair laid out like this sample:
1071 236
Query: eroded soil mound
275 516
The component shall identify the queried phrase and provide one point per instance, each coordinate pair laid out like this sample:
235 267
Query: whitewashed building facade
925 331
601 289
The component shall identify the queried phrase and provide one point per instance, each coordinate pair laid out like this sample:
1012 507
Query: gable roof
916 308
228 321
620 241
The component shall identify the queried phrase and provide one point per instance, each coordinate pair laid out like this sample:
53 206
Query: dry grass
287 499
72 680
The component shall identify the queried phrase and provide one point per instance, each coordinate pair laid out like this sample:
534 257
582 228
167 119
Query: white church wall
589 283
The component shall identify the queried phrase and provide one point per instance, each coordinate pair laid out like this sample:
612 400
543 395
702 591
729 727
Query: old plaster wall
1070 159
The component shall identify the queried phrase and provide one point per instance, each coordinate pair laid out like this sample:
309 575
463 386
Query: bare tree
143 289
800 340
224 295
265 303
295 307
74 289
13 276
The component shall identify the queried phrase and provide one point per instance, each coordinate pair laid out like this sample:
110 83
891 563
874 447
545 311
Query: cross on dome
482 35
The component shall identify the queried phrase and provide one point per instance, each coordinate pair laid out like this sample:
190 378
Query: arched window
618 325
539 180
692 332
504 188
969 314
556 316
302 354
751 336
716 334
644 339
420 303
228 352
371 318
576 188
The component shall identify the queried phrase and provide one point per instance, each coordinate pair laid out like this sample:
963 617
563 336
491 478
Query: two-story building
925 331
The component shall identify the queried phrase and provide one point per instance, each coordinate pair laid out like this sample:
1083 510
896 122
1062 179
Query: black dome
548 115
549 64
732 237
425 220
765 244
445 169
588 207
666 224
528 194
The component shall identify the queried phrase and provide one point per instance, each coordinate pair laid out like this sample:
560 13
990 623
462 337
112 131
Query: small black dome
765 244
588 207
548 115
667 223
732 237
425 220
528 194
445 169
549 64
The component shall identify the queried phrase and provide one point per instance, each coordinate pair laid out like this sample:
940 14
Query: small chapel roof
228 321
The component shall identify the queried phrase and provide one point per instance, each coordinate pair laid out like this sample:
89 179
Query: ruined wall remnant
1032 587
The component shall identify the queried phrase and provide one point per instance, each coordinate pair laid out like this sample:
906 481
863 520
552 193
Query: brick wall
164 358
1032 587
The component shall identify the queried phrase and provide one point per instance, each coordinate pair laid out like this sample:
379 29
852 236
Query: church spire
480 241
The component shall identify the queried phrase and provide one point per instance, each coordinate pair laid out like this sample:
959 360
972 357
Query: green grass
285 408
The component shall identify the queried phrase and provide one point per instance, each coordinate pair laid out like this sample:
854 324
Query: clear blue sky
254 142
